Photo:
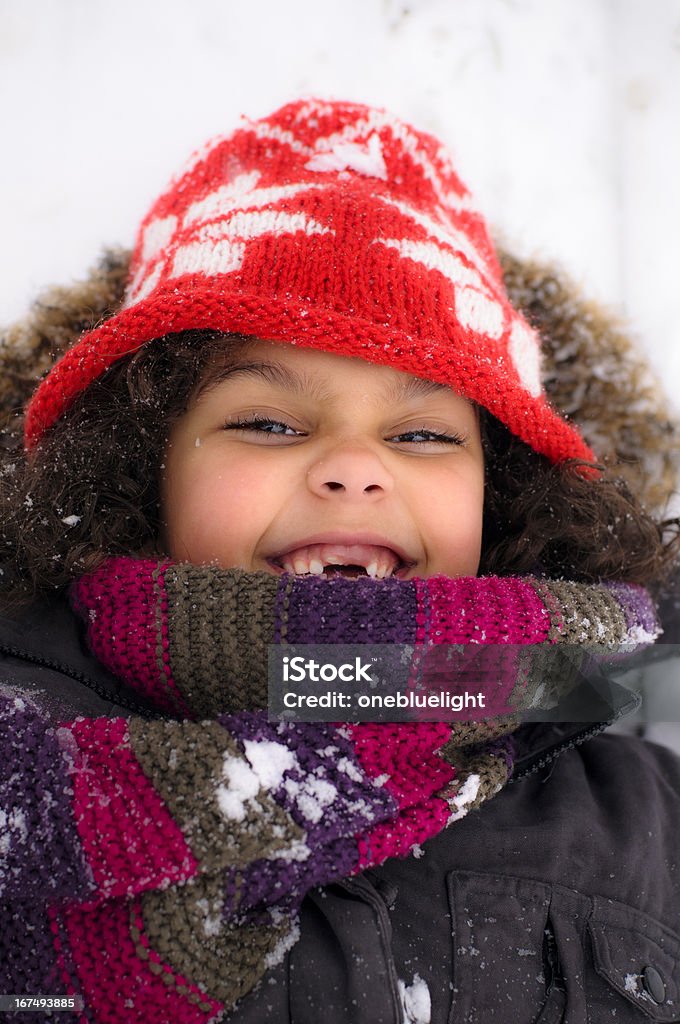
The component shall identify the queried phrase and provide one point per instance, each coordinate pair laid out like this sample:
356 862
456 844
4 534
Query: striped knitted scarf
170 854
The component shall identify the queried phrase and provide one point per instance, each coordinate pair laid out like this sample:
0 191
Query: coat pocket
636 962
536 953
505 959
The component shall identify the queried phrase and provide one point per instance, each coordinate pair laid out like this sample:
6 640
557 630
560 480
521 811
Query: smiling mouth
348 560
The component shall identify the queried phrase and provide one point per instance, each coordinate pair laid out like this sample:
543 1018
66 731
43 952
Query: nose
350 473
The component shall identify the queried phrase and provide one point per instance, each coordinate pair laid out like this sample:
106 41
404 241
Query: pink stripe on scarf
140 651
129 836
513 615
391 752
120 985
513 612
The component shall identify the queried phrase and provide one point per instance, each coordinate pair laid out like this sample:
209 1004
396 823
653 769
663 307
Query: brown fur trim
55 321
593 371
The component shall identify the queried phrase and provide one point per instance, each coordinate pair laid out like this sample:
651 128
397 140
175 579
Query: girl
315 417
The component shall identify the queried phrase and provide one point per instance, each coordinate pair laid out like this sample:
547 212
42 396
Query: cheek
451 521
214 510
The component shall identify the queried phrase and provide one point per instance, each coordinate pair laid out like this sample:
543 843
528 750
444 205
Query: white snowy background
563 117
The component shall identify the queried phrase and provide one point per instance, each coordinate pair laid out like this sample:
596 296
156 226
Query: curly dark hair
91 488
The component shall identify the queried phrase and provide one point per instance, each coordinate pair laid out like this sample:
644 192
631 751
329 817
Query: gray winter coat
558 900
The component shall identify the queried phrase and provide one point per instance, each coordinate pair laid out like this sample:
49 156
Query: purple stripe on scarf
28 965
346 611
324 759
638 609
327 794
38 821
283 884
505 747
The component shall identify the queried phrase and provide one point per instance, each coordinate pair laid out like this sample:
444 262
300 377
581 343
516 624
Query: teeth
386 565
379 563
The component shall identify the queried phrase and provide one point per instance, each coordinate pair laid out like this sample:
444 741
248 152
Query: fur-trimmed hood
592 370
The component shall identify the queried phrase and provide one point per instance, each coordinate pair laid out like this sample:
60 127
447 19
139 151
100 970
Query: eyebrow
414 387
273 373
302 384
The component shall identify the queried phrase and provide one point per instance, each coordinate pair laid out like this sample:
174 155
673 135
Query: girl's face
294 460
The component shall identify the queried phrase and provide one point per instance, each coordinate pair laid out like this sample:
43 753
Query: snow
311 795
212 918
12 827
242 785
639 635
380 780
71 520
243 780
286 942
347 767
13 830
269 761
296 851
416 1002
365 159
631 983
464 797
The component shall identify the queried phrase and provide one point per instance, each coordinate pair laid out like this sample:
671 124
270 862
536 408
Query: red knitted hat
335 226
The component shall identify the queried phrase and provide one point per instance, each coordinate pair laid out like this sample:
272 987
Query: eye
423 436
263 425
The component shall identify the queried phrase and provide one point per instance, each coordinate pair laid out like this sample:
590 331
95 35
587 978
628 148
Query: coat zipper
560 748
365 890
79 677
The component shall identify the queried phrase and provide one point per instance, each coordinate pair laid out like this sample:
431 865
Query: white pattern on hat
157 235
211 251
524 349
365 159
208 258
222 214
226 199
365 126
253 223
265 130
311 109
480 313
475 308
222 199
446 234
143 283
377 119
431 256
